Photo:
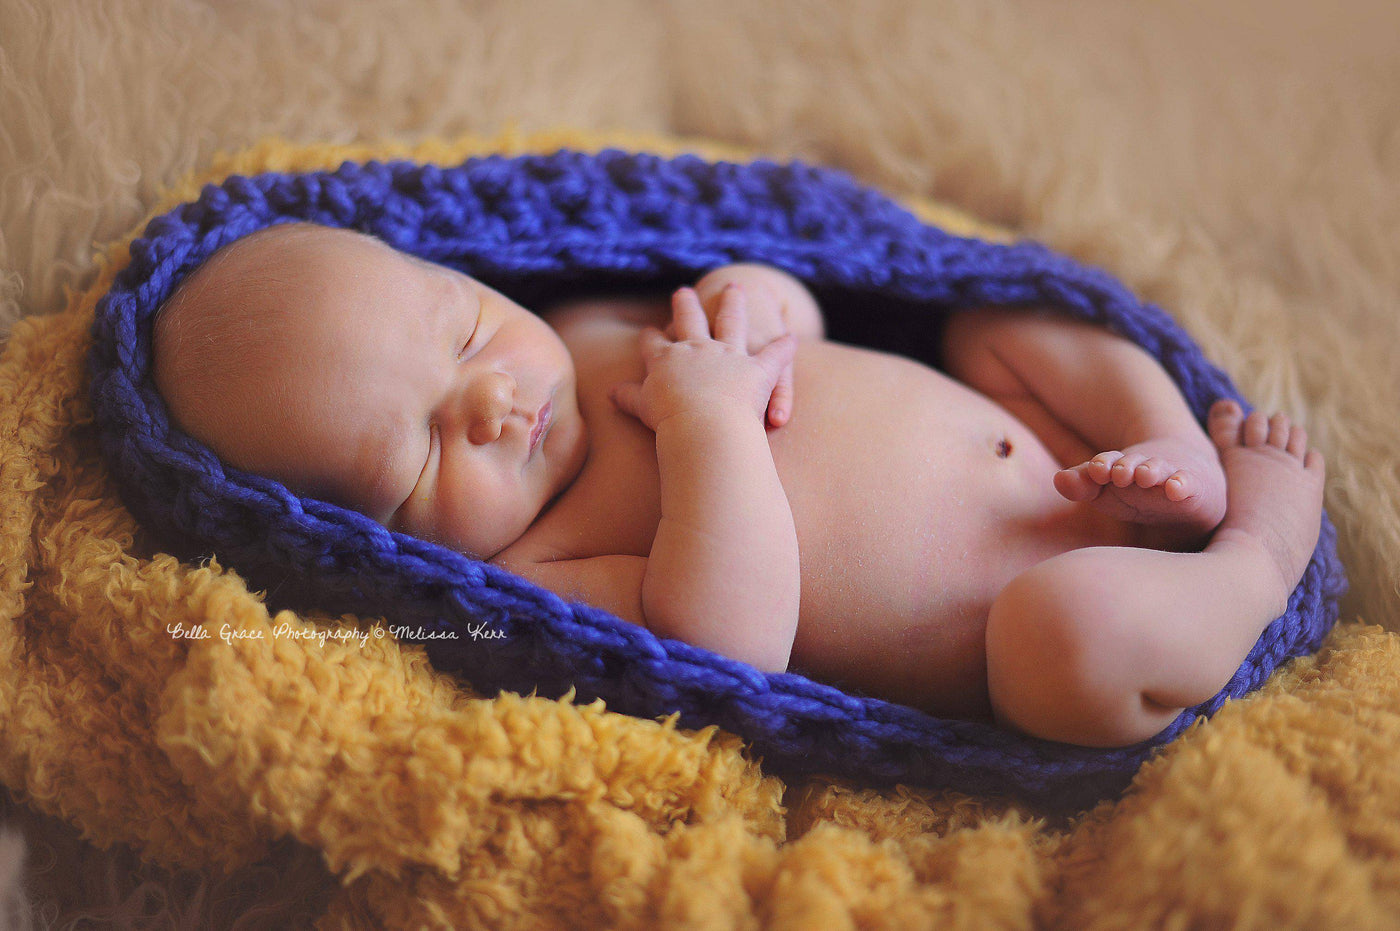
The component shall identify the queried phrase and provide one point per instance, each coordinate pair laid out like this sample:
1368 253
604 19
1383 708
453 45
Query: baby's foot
1275 485
1169 482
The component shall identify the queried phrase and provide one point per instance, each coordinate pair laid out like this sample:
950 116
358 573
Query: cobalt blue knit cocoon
543 228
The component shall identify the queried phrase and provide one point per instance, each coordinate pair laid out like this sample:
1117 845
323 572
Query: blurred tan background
1237 162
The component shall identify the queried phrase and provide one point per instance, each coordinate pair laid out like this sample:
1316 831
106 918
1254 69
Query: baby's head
364 376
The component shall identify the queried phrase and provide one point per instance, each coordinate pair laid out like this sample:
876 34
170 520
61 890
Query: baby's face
398 388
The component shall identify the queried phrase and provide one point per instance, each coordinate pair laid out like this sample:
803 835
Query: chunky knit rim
543 226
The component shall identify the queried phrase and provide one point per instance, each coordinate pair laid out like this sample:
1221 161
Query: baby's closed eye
467 343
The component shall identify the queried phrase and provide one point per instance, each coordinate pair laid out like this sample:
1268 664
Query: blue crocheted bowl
544 227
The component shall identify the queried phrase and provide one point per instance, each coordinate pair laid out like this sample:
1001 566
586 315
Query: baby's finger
627 397
688 316
732 320
777 356
651 341
780 405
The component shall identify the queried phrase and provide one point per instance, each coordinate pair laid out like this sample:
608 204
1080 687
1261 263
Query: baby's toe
1076 484
1126 467
1223 422
1178 487
1256 429
1297 442
1279 428
1150 473
1100 468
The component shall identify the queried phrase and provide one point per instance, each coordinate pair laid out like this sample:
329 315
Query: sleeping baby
1043 536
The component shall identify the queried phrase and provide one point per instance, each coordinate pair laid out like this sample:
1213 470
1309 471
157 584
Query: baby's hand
767 320
690 373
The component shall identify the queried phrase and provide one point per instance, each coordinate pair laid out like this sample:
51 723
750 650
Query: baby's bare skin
909 520
962 544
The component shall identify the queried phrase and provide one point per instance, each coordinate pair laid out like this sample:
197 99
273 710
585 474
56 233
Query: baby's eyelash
422 470
427 460
433 430
470 336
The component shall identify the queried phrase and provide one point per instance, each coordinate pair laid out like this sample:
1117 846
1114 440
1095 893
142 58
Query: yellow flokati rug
439 808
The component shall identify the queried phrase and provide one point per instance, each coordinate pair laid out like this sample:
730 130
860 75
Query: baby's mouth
543 419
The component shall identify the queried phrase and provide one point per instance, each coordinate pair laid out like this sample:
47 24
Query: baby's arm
723 570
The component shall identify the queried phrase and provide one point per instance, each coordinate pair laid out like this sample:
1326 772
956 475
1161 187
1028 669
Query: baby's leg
1156 466
1104 646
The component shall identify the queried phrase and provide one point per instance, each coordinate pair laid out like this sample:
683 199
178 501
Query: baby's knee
1060 659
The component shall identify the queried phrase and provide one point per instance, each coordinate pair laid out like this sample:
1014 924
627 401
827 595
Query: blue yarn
545 227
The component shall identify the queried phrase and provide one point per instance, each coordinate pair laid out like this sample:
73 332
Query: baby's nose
492 397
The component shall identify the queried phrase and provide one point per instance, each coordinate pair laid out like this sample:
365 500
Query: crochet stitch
544 227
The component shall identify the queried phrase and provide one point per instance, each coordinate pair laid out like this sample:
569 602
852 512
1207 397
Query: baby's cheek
473 524
408 521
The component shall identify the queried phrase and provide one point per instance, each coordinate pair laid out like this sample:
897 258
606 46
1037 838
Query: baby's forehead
250 279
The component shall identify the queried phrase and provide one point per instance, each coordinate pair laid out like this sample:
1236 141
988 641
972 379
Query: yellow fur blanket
439 808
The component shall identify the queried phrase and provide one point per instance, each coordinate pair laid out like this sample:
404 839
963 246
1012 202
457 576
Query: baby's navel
1003 448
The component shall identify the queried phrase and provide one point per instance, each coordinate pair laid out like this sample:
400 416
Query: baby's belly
916 500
